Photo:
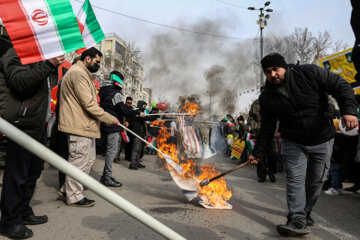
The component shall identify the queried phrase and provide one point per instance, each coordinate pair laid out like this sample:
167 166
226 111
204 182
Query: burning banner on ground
185 172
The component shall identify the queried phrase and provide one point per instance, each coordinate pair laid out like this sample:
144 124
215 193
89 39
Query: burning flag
89 27
40 29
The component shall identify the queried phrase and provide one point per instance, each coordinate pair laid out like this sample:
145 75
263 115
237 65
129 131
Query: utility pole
262 23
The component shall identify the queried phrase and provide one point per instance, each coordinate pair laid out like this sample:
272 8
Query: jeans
306 169
136 151
111 151
335 175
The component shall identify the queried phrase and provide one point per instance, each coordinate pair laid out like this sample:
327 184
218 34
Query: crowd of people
292 114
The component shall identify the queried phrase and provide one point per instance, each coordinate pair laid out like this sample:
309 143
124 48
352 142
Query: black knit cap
273 60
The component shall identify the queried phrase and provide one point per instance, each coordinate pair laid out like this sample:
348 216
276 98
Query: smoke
179 63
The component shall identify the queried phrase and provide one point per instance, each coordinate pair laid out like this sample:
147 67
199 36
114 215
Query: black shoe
18 231
35 220
272 177
309 220
354 188
110 182
139 165
292 228
261 180
133 167
84 203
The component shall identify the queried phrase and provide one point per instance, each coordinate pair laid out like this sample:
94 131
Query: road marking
328 226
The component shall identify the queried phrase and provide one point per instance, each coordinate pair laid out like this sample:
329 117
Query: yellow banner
342 64
238 148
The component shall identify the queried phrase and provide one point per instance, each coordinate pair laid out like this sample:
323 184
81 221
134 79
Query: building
120 56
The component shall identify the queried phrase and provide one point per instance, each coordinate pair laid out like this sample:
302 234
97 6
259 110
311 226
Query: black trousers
22 169
268 164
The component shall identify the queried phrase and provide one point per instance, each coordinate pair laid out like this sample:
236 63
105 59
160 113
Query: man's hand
253 160
349 121
142 114
56 61
116 122
126 124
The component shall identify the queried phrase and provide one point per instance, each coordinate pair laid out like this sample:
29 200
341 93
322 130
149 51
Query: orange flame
190 107
215 193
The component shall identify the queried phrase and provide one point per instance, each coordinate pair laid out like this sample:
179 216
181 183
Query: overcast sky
213 17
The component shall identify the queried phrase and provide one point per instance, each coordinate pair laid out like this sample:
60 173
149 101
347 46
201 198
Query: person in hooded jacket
112 101
138 125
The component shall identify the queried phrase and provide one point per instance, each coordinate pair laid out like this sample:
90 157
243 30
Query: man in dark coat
297 96
24 102
112 101
138 125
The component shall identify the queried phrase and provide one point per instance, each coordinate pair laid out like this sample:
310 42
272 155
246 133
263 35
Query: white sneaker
332 191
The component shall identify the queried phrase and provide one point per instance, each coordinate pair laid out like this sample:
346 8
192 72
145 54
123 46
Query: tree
321 44
301 41
339 46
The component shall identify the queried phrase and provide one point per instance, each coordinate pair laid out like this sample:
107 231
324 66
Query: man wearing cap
112 101
297 96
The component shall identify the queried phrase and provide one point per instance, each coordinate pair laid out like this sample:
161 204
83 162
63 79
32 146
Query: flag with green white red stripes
41 29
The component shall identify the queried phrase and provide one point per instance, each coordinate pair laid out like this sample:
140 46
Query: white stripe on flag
88 38
86 34
46 34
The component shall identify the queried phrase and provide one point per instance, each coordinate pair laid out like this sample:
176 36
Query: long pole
55 160
261 49
210 107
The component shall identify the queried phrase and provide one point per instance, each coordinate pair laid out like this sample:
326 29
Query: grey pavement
257 208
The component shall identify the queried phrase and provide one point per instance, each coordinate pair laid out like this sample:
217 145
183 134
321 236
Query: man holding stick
297 96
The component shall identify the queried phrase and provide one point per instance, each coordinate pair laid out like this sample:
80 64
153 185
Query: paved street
257 208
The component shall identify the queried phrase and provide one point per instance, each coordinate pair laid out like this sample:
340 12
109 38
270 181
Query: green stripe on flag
66 24
92 23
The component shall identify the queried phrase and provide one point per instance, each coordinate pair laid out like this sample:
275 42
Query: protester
79 118
242 131
297 96
111 100
24 102
138 126
267 165
128 145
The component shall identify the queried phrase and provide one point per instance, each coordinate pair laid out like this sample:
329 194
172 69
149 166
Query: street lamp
262 22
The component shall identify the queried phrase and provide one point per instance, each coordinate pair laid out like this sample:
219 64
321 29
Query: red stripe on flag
81 27
22 35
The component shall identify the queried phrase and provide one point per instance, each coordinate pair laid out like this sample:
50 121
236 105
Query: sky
181 63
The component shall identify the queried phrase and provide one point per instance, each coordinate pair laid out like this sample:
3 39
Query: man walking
112 101
79 118
24 102
298 97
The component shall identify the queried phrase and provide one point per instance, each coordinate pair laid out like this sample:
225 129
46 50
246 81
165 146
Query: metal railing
55 160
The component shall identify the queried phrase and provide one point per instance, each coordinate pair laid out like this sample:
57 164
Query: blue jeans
306 169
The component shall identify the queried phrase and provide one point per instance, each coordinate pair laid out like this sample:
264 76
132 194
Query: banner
342 64
41 29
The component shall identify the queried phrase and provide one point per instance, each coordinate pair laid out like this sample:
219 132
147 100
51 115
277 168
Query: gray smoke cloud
179 64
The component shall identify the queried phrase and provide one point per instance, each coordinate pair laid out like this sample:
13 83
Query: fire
216 193
190 107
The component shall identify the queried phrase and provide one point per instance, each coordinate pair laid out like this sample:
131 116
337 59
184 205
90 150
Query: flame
190 107
215 193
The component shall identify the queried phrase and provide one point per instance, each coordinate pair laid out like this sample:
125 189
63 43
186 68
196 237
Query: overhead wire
168 26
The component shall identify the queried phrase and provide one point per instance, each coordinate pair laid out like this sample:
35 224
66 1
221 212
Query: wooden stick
207 181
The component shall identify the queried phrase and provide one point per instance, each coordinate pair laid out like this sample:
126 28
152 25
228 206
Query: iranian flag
89 27
41 29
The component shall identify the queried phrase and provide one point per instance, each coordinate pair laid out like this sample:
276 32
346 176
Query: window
119 49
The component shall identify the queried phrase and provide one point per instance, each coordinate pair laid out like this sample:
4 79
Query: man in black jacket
112 101
297 96
24 102
138 125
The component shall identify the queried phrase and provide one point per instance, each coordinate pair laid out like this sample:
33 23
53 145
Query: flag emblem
40 17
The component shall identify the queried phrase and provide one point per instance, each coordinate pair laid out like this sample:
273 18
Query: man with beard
79 118
298 97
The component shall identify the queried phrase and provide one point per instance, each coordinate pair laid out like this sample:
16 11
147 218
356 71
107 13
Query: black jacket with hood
304 113
111 100
138 124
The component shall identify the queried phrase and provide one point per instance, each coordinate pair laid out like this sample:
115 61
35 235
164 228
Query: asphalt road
257 208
